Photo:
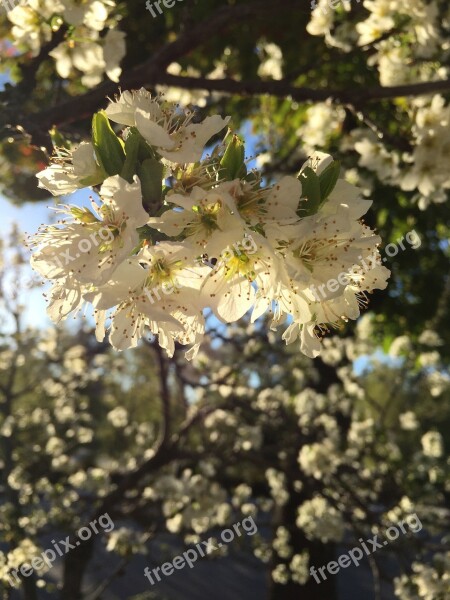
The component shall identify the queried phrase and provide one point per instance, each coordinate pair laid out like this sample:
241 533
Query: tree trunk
75 564
319 555
29 588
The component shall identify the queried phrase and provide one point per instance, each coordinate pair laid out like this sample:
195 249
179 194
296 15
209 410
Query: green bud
317 188
83 215
150 173
232 164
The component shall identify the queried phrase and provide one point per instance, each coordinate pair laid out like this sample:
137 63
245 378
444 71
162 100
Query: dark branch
82 107
283 89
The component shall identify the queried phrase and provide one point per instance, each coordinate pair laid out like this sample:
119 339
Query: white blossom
172 133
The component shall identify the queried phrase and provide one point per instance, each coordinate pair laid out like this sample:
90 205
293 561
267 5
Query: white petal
262 304
126 329
229 300
291 333
65 297
100 318
309 344
192 140
283 199
153 133
126 198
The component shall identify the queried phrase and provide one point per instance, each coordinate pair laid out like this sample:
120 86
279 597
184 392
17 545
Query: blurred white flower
272 64
118 417
400 345
432 444
408 421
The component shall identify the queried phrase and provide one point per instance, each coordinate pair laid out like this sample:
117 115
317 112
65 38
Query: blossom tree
222 158
327 455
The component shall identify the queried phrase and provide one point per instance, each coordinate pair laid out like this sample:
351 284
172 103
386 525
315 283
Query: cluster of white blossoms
197 97
413 39
85 49
406 41
25 551
417 40
189 501
423 170
271 66
174 233
320 521
323 120
428 582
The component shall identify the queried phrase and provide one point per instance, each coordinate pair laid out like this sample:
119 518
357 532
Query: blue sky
28 217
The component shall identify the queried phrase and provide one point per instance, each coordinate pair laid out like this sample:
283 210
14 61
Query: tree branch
149 72
284 89
165 400
78 108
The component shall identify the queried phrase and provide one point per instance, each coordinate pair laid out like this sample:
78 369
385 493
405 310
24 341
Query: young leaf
328 179
310 190
58 140
131 156
109 149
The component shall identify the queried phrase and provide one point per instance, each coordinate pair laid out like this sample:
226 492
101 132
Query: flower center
240 264
206 218
162 271
315 251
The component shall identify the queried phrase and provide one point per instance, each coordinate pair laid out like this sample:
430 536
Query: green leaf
109 149
96 179
310 190
145 151
150 173
233 161
328 179
145 233
130 166
58 140
148 234
382 217
387 341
